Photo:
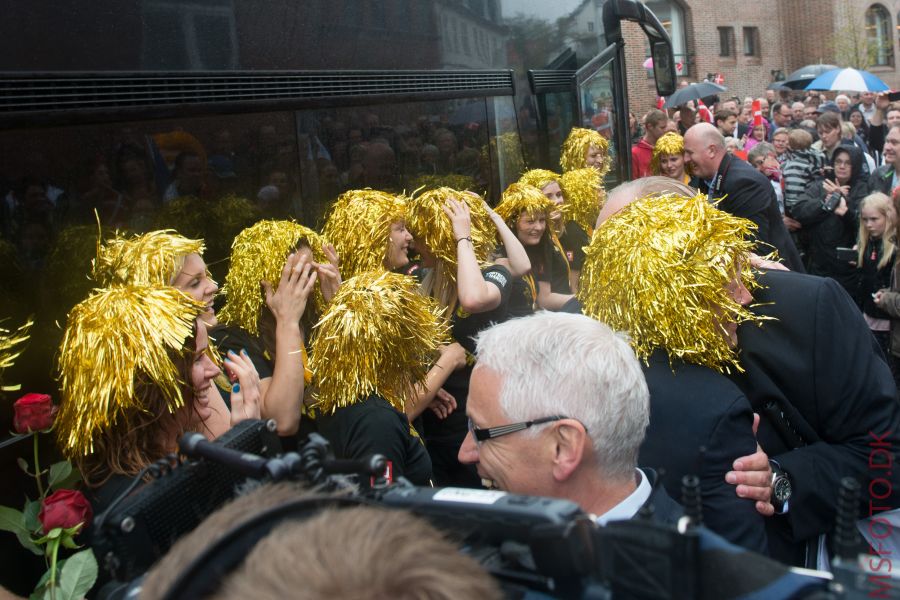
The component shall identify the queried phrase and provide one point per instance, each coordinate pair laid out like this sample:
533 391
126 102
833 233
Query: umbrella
799 79
695 91
848 80
777 86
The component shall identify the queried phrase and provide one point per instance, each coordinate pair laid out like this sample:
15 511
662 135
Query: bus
207 115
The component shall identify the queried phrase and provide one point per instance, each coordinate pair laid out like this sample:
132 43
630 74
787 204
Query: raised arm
475 294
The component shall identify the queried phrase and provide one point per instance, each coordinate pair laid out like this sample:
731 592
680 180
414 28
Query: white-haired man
579 442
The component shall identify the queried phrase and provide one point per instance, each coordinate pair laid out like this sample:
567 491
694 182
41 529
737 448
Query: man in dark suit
745 192
558 407
826 396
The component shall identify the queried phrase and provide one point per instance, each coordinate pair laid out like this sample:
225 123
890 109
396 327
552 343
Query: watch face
782 489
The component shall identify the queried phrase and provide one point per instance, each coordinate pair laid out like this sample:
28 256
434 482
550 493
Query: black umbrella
777 86
694 91
799 79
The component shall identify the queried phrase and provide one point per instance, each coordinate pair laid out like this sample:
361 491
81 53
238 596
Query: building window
878 32
726 41
751 41
671 17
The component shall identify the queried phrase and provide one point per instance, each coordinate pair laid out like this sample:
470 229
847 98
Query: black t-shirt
464 327
558 272
373 426
573 240
228 337
522 292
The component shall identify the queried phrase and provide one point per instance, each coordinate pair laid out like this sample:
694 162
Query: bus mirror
663 67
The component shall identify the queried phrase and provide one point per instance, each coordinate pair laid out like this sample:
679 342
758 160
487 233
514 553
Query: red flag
756 107
660 102
719 79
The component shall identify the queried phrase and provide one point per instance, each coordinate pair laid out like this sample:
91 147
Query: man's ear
570 439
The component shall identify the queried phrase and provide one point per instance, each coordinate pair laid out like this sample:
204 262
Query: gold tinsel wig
521 198
575 149
152 258
258 254
539 178
11 347
375 338
359 226
429 224
667 145
585 196
114 339
659 271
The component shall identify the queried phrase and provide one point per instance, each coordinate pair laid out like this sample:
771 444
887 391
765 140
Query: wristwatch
781 488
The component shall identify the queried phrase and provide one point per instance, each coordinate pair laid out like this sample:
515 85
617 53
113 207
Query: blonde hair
882 203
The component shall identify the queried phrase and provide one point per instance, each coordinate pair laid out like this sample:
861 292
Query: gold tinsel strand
432 182
522 198
574 150
11 347
376 337
539 178
151 258
258 254
116 336
668 144
659 270
585 196
428 223
359 226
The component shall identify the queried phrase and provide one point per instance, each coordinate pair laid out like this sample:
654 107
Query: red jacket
641 153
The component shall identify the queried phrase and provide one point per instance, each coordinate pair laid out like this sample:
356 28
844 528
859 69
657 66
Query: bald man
744 191
818 380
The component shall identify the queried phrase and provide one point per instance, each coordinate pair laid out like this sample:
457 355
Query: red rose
65 509
33 412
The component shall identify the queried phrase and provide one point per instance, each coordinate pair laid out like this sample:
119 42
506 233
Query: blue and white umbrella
848 80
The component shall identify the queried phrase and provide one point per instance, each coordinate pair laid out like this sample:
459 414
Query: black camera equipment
530 545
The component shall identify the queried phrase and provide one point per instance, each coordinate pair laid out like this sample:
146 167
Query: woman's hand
245 395
878 297
443 404
842 208
455 353
460 218
329 275
297 281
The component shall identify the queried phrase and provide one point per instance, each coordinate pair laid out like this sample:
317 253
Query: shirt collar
627 508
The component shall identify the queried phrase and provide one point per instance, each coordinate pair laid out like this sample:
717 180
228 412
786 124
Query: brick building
752 43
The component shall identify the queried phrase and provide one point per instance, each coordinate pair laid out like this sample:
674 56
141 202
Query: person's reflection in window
380 167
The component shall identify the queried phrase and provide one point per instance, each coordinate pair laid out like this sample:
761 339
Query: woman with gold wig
135 373
454 234
271 302
668 158
370 348
527 212
585 148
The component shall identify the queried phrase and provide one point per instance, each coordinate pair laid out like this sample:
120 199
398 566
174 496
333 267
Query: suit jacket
700 422
820 366
747 193
664 510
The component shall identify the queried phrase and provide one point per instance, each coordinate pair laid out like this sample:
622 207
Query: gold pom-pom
659 271
359 226
376 337
585 196
188 215
258 254
522 198
152 258
575 148
667 145
539 178
430 225
115 338
11 347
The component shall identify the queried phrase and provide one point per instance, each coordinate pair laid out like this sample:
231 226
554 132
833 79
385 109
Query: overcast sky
544 9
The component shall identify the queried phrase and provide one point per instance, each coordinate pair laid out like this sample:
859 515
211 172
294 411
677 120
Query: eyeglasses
490 433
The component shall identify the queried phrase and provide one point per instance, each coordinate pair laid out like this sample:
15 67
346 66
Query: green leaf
28 543
45 578
54 533
59 472
69 542
12 520
32 510
69 482
23 464
77 576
